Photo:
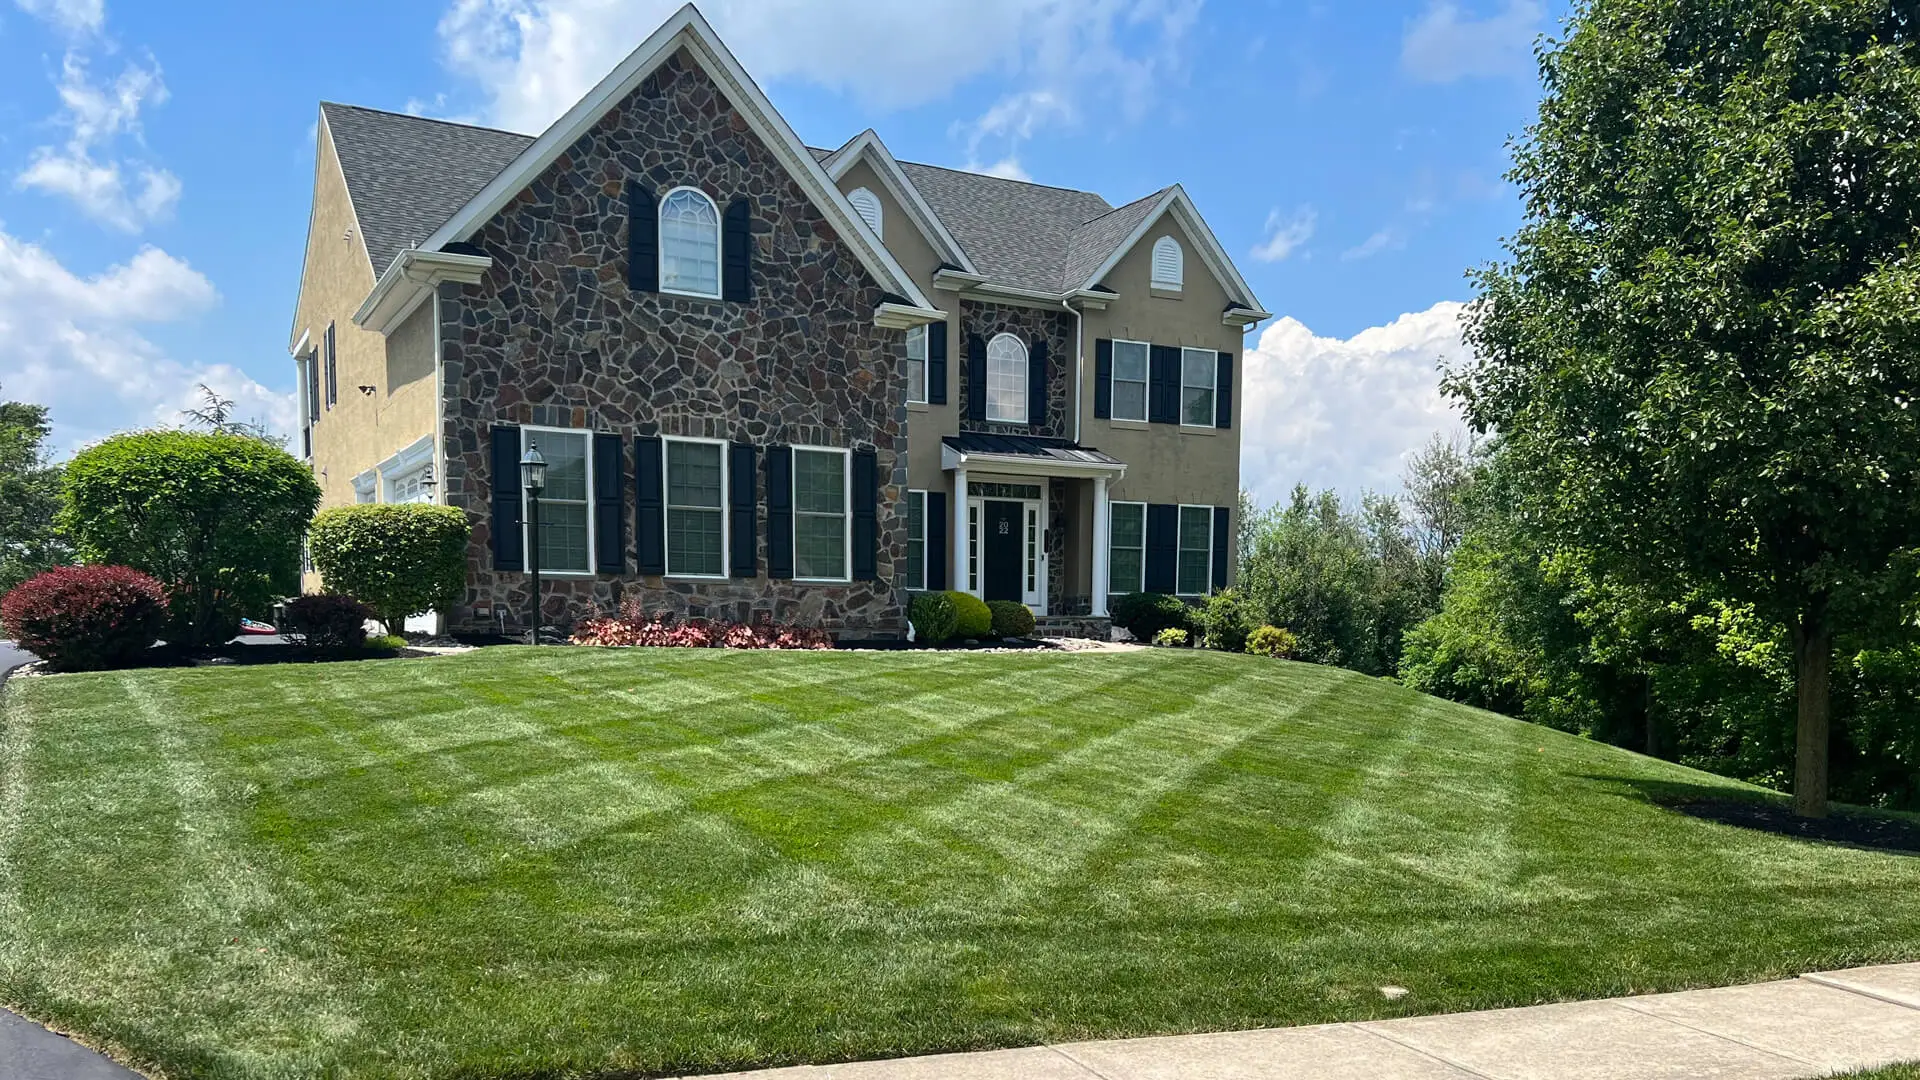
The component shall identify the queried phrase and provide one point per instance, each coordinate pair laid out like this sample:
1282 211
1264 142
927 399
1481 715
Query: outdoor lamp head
533 469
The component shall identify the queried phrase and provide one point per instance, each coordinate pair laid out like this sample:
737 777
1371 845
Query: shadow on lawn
1774 814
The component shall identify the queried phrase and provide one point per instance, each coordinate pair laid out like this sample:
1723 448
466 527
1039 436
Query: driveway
12 656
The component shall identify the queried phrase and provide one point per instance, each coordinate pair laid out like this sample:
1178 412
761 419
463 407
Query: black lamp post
533 477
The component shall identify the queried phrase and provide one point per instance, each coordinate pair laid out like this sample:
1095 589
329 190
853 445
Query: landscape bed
579 862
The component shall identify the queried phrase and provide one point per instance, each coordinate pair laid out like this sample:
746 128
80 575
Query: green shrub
1277 642
1144 615
1010 619
1172 636
1225 622
972 619
933 618
400 560
327 621
386 641
215 518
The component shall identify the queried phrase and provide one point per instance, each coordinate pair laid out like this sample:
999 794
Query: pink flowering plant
634 628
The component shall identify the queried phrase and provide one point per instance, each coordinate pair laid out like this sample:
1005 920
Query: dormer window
1169 264
689 244
867 205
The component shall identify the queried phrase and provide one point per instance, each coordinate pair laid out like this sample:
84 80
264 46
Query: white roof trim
418 452
689 28
300 347
411 278
867 144
1020 465
903 317
1176 202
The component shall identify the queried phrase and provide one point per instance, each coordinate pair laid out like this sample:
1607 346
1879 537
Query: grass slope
570 862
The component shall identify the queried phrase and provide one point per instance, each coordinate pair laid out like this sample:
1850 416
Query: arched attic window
689 243
867 205
1006 380
1169 263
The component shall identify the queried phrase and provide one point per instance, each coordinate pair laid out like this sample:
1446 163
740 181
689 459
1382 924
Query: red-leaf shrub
86 618
327 621
635 629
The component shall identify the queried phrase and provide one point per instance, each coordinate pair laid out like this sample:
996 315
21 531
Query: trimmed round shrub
86 618
972 619
1172 637
1277 642
327 621
1226 622
1010 619
1144 615
399 559
215 518
933 618
386 641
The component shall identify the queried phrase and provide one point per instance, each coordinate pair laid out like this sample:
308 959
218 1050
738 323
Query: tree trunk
1812 661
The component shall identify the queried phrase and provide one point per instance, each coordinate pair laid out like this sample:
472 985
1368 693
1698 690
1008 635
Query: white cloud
72 343
1384 240
1007 168
1345 414
1445 46
73 16
125 195
535 58
1285 234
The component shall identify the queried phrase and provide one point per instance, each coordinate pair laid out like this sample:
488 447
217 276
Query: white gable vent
867 205
1169 263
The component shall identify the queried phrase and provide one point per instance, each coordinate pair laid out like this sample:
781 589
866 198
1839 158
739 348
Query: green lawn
568 862
1893 1072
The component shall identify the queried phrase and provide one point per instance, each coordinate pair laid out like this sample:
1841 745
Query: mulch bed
1894 834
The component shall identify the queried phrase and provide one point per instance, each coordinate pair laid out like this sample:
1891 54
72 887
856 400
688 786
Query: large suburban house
769 381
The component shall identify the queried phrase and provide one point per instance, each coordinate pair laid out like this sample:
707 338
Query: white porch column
960 582
1102 522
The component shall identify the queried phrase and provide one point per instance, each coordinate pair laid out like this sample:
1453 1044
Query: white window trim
407 464
878 220
666 506
527 539
1140 585
1179 260
925 498
921 332
1213 381
1026 361
366 487
846 514
1146 384
719 228
1207 589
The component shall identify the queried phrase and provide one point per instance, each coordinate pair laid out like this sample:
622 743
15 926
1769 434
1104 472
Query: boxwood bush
972 618
1225 621
1011 619
1277 642
86 618
1145 614
400 559
933 618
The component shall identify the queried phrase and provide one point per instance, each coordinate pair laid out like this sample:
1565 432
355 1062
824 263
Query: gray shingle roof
1034 446
408 174
1016 233
1095 240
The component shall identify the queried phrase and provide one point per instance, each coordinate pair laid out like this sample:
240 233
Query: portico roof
1032 455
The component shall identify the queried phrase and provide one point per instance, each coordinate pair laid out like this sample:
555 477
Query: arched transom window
867 205
1006 380
689 243
1169 263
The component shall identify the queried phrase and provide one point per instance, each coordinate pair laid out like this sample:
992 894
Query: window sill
1198 429
670 576
546 573
712 297
822 581
1131 425
1163 292
917 406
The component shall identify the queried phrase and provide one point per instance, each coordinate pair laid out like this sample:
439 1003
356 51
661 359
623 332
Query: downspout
1079 361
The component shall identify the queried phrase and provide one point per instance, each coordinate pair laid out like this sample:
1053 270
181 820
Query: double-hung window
1130 360
696 520
566 513
689 244
820 548
1196 550
916 540
1126 547
917 364
1199 368
1006 380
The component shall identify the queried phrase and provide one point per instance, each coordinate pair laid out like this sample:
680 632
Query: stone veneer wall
1029 325
553 336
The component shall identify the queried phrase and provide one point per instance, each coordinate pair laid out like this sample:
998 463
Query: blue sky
156 166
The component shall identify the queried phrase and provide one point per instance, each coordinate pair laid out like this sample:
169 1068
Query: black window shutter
935 522
313 385
779 511
736 252
610 503
937 364
333 370
743 511
508 542
976 378
1222 521
643 238
1163 547
1163 388
1223 392
866 515
1103 378
1037 385
649 506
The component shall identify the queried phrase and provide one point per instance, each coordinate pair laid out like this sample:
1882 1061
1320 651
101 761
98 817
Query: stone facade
554 336
1029 325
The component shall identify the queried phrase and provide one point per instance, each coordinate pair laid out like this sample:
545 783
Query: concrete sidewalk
1813 1026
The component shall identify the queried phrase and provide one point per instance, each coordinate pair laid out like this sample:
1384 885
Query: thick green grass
567 862
1892 1072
